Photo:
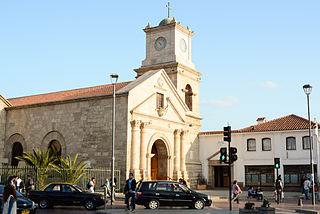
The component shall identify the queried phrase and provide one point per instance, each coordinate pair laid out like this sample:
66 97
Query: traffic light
223 155
277 163
233 154
227 133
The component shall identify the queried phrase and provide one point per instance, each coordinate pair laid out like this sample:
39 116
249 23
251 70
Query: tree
40 161
69 169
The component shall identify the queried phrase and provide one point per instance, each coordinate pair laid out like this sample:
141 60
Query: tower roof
167 21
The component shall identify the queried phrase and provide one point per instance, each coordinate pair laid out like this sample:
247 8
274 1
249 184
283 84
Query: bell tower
168 47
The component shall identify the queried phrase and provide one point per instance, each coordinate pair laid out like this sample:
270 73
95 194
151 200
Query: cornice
5 101
172 25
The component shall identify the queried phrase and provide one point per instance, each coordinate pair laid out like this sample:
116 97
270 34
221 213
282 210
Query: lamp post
307 90
114 79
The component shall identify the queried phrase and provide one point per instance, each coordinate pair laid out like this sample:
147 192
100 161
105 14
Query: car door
53 194
164 193
71 195
182 195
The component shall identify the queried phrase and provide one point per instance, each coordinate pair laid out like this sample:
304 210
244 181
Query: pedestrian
18 182
302 179
29 184
91 185
182 181
307 185
107 186
259 194
11 181
15 182
9 200
251 194
279 189
236 191
130 190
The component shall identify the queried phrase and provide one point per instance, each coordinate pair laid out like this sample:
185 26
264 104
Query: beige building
157 115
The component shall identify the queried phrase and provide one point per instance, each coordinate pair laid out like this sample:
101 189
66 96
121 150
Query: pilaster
176 169
143 146
135 153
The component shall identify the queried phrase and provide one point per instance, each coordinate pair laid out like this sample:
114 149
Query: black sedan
152 194
66 195
24 205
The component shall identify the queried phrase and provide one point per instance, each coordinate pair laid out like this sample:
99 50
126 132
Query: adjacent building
286 138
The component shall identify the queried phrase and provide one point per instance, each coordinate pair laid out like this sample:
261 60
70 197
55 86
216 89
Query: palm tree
40 161
70 170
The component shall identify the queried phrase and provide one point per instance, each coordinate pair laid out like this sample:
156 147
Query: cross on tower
169 8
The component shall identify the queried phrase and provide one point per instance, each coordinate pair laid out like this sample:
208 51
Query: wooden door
154 168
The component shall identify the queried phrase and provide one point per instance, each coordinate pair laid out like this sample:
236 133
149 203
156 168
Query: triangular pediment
143 97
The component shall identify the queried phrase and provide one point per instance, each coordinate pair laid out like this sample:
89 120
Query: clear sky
255 56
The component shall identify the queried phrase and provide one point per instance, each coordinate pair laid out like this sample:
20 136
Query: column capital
135 123
177 132
184 132
145 124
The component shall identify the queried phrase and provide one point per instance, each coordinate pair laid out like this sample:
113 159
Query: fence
51 175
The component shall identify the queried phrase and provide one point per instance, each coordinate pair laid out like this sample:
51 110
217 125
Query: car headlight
33 204
209 197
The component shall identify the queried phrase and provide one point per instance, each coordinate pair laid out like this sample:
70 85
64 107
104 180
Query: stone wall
81 126
3 113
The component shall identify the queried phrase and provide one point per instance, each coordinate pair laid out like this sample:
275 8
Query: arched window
188 96
305 142
266 144
291 143
17 150
251 145
54 148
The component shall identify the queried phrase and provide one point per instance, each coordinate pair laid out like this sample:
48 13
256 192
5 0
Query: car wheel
43 204
198 204
153 204
89 205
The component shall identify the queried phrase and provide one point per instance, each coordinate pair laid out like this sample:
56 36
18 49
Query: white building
285 138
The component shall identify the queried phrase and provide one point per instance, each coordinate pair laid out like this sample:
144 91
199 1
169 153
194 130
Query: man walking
130 190
29 184
279 189
306 186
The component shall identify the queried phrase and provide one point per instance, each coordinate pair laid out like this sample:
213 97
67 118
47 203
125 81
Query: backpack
88 185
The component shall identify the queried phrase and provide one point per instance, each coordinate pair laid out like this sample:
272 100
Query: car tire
198 204
153 204
44 204
89 205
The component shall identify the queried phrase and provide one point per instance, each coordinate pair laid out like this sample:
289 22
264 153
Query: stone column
143 146
134 165
183 155
176 169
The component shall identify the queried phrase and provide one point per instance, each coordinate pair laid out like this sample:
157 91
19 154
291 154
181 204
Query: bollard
300 202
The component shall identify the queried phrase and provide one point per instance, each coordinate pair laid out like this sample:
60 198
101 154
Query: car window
68 188
53 188
165 187
1 190
177 188
148 186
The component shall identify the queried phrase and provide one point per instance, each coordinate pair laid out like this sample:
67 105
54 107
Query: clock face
160 43
183 45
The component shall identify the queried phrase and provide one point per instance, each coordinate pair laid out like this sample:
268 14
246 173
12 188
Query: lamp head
307 89
114 78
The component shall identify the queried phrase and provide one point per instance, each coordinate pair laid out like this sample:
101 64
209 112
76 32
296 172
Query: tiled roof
66 95
289 122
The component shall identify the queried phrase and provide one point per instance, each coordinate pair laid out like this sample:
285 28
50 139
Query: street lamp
114 79
307 90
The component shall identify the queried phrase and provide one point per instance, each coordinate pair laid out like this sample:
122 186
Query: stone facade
157 117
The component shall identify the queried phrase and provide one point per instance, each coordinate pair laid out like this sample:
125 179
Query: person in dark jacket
130 191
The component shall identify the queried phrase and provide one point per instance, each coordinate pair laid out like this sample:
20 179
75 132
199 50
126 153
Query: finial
148 25
174 19
188 28
169 8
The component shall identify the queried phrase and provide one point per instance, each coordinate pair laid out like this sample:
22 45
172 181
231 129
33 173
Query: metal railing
51 175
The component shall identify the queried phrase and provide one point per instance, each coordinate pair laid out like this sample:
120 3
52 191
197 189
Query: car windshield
2 188
77 188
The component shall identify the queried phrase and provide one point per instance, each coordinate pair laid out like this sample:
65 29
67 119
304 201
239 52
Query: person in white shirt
92 184
306 186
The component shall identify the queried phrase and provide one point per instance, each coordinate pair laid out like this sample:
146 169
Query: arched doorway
159 161
54 148
17 150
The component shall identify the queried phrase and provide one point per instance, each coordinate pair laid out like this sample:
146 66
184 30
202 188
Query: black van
152 194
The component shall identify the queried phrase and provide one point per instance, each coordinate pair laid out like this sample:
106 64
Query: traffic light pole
229 172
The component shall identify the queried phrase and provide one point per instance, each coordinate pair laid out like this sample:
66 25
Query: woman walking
9 200
236 191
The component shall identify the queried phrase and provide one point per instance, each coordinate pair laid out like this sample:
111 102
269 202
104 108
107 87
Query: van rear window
148 186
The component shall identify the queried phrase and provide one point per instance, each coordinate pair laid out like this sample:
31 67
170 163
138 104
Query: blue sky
255 56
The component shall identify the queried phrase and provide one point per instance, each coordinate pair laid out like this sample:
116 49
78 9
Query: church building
157 116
